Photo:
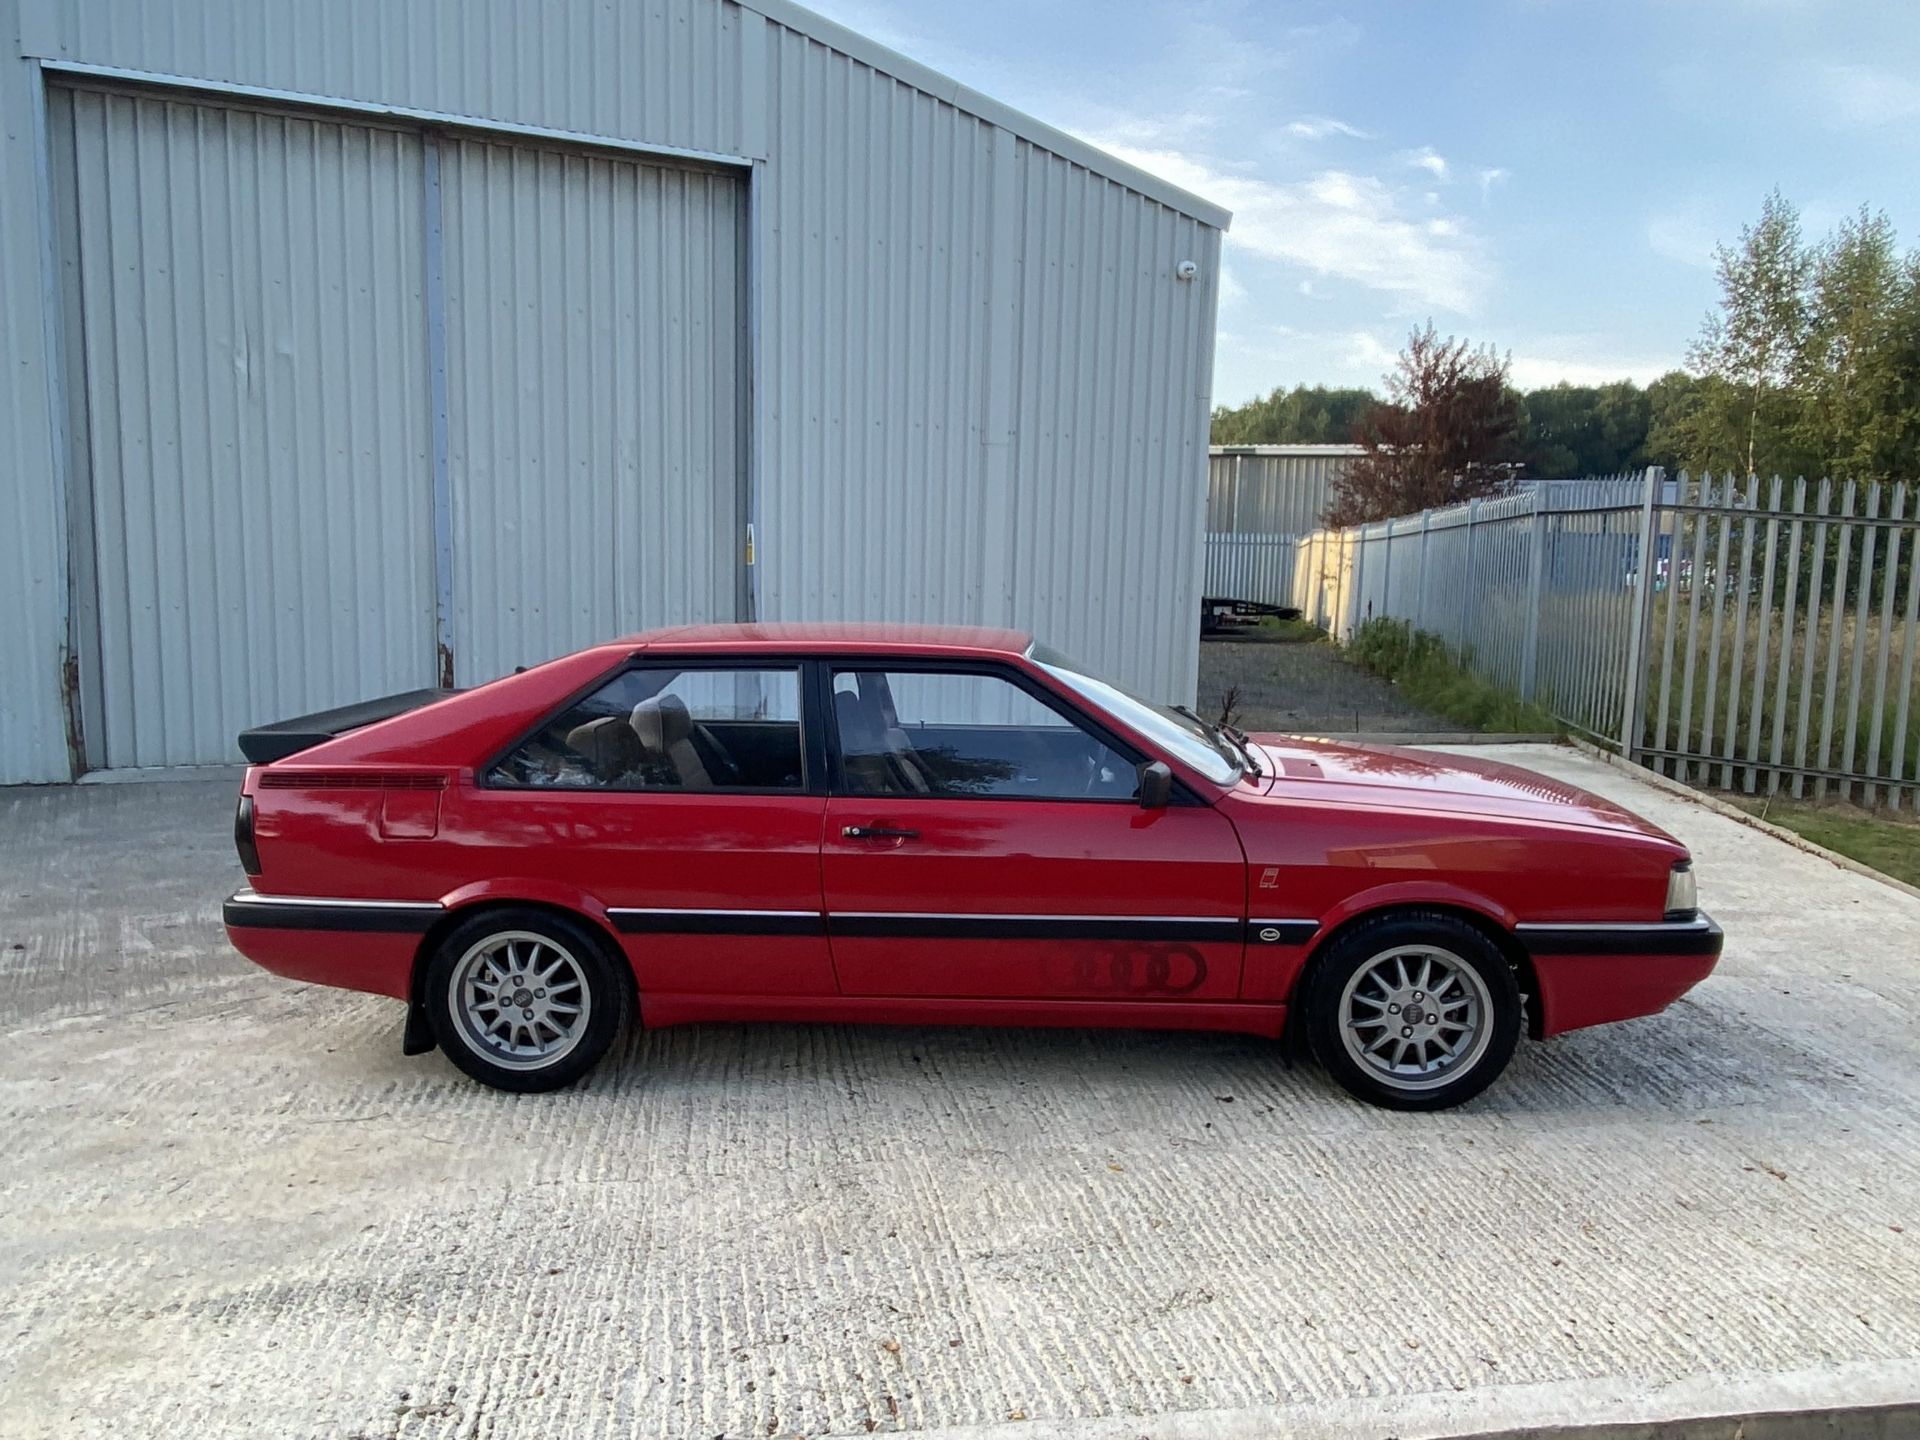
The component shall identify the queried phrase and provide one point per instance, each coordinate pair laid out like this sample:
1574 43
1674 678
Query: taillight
243 836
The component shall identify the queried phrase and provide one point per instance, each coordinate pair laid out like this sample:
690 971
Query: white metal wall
987 392
594 339
978 391
249 395
34 653
1111 374
1272 489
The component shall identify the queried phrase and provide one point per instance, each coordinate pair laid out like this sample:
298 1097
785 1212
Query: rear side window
670 728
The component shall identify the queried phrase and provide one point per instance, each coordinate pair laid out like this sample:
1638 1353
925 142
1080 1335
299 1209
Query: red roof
835 635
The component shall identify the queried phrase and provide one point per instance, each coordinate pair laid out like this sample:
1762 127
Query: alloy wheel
1415 1017
520 999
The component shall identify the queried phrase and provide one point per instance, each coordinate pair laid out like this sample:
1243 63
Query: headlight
1683 898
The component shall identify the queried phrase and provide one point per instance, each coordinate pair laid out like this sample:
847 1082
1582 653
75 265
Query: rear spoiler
265 744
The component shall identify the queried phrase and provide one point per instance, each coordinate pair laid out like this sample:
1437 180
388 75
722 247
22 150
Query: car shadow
1701 1054
1689 1058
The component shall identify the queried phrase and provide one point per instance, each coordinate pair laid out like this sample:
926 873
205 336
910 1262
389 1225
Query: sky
1547 176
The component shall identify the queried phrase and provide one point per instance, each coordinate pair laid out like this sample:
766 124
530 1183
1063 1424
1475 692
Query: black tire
1383 1061
475 954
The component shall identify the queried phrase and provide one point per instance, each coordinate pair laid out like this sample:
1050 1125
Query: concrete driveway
232 1209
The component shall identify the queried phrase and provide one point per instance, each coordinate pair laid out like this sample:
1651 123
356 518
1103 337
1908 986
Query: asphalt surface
1303 686
233 1209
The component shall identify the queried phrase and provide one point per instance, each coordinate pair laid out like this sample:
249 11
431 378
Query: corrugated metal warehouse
1272 489
356 347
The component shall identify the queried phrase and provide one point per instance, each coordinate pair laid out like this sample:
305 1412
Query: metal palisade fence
1740 633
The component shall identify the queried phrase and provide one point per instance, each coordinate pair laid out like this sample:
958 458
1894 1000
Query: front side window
660 727
935 733
1182 732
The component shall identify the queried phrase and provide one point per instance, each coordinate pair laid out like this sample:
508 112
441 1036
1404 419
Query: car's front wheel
523 999
1414 1011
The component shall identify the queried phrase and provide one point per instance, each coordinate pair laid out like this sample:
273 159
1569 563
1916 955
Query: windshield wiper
1214 734
1245 742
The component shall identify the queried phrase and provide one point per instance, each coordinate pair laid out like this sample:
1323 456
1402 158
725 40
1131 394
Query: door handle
877 832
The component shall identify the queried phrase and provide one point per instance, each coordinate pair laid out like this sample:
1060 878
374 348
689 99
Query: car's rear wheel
523 999
1414 1011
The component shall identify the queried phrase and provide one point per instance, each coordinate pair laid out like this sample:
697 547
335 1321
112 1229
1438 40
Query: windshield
1184 735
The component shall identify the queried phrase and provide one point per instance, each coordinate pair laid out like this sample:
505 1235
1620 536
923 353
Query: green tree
1850 372
1903 367
1752 344
1304 415
1575 430
1675 406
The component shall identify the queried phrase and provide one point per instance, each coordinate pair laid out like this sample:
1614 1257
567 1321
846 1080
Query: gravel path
1304 686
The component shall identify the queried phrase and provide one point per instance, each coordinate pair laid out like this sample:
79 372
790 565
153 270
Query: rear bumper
1593 974
353 944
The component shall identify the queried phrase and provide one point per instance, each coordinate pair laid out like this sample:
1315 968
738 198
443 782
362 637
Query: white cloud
1491 176
1350 227
1862 97
1364 350
1684 235
1428 159
1584 362
1150 132
1252 361
1319 127
1232 293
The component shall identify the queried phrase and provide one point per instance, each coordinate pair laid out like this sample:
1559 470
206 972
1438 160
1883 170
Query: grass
1889 844
1273 627
1819 660
1420 665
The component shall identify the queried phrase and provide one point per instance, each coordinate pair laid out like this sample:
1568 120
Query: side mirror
1156 785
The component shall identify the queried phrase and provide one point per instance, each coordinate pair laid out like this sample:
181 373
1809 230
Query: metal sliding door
248 386
339 390
593 352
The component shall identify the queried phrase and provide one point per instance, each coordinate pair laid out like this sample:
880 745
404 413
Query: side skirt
657 1011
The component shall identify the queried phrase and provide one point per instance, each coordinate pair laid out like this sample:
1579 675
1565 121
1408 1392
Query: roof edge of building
909 71
1305 452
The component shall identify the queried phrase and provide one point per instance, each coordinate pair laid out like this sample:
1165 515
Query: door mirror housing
1156 785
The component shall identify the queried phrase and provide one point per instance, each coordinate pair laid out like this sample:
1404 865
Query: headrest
859 730
607 743
662 721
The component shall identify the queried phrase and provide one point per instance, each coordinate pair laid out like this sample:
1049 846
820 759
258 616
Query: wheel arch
419 1034
1502 938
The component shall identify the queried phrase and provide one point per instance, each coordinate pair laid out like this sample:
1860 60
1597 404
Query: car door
983 841
685 796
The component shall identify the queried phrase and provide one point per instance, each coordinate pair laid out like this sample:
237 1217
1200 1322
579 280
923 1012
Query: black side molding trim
269 914
718 922
1693 937
920 926
1036 927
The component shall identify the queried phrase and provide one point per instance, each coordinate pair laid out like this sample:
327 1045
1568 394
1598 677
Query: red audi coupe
930 825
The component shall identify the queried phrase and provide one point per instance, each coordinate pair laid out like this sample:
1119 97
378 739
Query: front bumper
1593 974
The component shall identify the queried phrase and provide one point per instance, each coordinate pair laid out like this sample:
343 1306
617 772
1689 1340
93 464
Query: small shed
1272 489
